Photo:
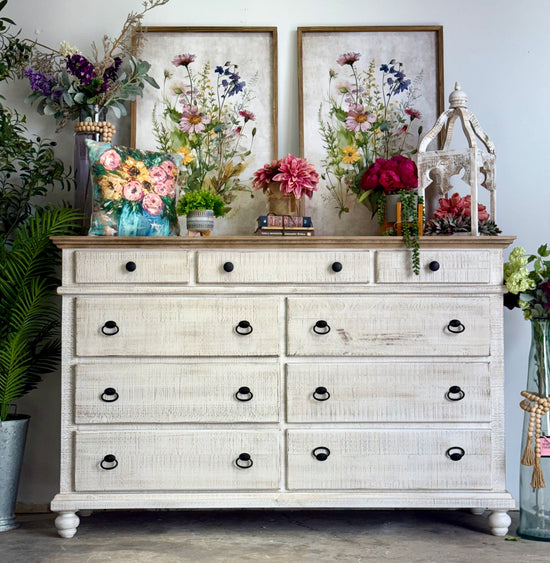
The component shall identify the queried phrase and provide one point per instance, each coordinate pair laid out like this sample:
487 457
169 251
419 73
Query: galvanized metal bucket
13 433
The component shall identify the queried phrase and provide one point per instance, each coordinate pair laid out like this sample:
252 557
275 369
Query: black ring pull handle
228 267
434 266
109 395
110 328
321 394
456 453
244 461
131 266
243 328
244 394
455 393
109 462
321 327
455 326
336 266
321 453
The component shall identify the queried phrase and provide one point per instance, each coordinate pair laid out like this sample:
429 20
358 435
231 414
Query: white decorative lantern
437 167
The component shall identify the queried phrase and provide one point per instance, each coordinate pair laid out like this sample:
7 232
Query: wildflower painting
366 93
217 107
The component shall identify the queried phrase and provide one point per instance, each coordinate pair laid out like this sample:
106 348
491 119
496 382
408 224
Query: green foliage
409 213
29 341
201 199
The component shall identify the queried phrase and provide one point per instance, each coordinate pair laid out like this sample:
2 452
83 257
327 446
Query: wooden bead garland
537 407
104 128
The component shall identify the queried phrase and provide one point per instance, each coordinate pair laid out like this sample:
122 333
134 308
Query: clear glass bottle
534 515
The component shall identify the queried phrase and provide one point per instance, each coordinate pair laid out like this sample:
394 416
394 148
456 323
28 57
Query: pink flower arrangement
457 206
395 173
295 175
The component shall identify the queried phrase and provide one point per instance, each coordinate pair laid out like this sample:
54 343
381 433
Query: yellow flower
111 187
351 156
187 156
135 169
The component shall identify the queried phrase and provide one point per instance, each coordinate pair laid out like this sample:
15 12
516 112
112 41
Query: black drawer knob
321 394
228 267
244 461
321 327
336 266
109 395
455 393
244 394
456 326
456 453
321 453
243 328
109 462
434 266
131 266
110 328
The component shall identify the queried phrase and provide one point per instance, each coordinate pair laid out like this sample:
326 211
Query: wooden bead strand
104 128
536 407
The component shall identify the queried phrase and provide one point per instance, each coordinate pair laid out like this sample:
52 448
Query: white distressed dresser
295 372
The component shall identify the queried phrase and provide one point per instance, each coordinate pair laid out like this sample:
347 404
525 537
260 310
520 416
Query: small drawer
388 326
149 393
391 459
127 266
176 460
177 326
461 267
283 267
388 392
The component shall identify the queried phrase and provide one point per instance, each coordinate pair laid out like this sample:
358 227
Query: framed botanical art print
364 93
216 106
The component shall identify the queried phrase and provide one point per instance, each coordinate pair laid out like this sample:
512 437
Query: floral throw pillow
134 191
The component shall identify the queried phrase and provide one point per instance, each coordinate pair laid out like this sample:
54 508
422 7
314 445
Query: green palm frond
29 341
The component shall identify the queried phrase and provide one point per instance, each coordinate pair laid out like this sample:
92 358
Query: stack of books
284 225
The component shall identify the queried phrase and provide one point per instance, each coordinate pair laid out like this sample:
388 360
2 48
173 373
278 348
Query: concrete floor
275 536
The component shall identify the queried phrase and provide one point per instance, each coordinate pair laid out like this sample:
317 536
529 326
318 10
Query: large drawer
461 266
131 266
176 460
283 267
147 393
388 392
177 326
389 459
390 325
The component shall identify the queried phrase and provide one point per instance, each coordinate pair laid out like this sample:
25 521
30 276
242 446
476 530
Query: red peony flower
396 173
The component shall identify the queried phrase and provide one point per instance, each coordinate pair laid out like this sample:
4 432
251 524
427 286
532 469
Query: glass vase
534 518
83 190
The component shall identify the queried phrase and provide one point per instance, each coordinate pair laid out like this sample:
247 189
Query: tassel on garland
536 407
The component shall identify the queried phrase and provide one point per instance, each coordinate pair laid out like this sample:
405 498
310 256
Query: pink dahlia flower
183 60
133 190
297 176
193 121
348 58
264 176
359 119
153 204
110 159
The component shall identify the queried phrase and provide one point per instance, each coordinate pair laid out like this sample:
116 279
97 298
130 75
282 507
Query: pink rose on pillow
152 203
133 191
157 174
110 159
169 167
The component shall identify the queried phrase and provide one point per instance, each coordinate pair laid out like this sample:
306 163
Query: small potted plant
285 181
200 207
384 184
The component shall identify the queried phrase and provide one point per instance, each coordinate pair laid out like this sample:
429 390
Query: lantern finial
458 98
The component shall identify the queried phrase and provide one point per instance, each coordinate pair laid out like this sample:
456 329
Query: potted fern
200 207
29 319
